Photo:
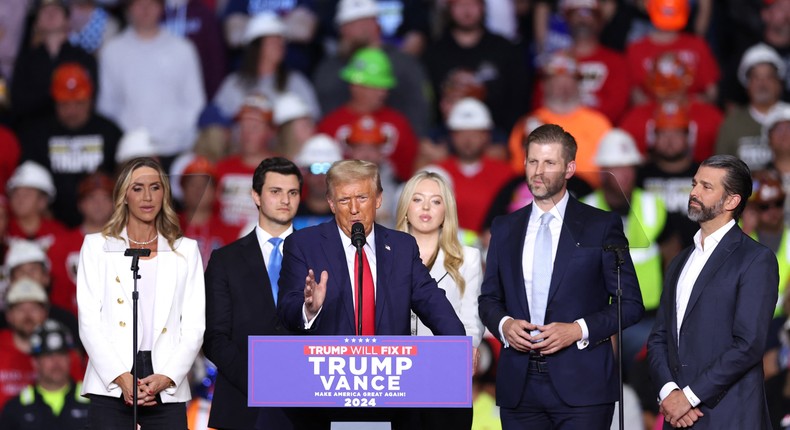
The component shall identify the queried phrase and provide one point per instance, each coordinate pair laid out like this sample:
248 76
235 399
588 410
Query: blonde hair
347 171
448 232
166 220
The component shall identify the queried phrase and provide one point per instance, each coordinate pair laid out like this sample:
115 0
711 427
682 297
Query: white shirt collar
264 236
714 238
558 211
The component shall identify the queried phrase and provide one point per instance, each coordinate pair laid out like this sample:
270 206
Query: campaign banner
360 371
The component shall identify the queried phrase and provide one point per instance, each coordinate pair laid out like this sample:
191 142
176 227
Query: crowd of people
242 112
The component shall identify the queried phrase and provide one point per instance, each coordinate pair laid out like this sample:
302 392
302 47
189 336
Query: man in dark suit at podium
319 296
549 294
242 294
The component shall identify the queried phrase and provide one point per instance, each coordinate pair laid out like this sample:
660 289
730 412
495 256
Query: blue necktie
275 262
541 272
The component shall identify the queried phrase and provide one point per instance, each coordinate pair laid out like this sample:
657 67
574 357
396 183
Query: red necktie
368 297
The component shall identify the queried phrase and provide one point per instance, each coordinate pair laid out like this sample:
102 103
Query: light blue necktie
275 262
541 272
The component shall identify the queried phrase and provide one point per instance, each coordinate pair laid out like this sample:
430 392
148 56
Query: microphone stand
135 254
619 261
360 271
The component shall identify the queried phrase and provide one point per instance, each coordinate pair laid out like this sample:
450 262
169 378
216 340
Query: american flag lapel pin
387 247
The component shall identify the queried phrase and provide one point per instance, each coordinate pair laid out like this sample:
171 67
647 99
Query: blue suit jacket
402 284
723 336
582 283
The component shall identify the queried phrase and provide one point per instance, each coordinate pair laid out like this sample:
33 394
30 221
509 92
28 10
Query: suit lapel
166 280
569 236
253 258
121 264
338 269
516 252
383 272
673 285
729 243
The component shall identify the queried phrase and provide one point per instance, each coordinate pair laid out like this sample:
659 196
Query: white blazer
104 299
465 306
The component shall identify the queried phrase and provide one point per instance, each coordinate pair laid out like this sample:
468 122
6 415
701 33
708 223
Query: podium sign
360 371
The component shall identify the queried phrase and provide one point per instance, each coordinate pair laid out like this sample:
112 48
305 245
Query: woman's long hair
248 71
166 220
448 232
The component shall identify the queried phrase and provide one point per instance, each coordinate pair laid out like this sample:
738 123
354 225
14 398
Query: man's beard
704 213
552 188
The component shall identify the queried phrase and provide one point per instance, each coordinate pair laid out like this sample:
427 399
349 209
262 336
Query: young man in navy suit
318 294
242 294
549 294
705 352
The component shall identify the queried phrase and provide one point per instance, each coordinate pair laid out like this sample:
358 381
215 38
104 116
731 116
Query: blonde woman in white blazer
171 306
427 211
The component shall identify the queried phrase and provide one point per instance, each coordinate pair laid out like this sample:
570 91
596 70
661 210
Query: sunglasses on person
773 205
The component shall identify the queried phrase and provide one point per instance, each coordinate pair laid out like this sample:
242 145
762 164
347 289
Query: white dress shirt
688 277
555 225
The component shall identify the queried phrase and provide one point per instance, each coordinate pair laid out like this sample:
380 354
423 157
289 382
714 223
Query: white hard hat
760 53
617 148
263 24
26 290
289 107
23 252
33 175
133 144
352 10
469 114
319 149
780 114
578 4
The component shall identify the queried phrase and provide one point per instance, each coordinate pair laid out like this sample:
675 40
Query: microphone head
358 234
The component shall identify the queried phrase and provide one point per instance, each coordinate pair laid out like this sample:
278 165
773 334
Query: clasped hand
147 388
552 337
678 411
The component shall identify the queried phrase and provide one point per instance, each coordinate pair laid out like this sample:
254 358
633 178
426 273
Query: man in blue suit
549 295
705 351
318 294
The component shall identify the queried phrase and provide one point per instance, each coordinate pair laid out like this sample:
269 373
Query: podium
360 372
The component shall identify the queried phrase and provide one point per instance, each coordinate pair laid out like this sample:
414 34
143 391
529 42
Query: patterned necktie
273 268
368 297
541 272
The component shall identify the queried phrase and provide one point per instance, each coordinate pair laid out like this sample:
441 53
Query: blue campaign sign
360 371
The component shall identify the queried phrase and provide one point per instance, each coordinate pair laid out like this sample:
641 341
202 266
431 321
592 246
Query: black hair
737 180
279 165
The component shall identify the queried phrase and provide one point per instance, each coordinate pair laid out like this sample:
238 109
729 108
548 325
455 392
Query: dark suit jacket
722 339
402 284
582 283
239 303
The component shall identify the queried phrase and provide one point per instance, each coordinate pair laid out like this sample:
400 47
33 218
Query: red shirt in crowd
474 194
9 147
234 182
211 235
402 151
704 127
64 256
48 232
692 51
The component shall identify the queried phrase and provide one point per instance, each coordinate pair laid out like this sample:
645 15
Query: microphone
618 249
358 235
136 253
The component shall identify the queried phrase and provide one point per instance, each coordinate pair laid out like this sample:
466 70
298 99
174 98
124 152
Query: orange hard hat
258 105
668 15
71 82
366 131
672 115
